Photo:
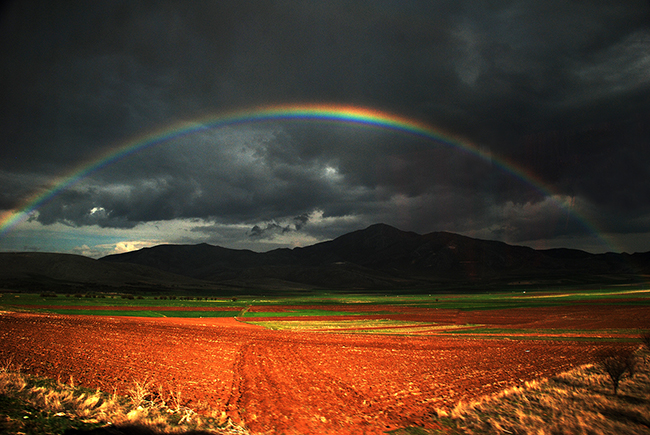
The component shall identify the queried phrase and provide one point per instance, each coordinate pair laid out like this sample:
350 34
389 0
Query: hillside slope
383 257
39 271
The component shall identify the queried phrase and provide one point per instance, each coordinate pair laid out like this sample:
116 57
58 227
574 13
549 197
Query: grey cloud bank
561 89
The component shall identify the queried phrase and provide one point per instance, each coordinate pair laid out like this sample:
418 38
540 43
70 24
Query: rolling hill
379 257
67 273
383 257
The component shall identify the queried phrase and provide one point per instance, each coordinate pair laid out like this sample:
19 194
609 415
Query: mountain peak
382 226
379 256
384 229
377 236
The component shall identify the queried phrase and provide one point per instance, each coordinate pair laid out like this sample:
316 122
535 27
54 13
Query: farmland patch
284 381
319 364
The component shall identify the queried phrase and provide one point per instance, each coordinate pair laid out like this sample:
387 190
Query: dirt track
282 382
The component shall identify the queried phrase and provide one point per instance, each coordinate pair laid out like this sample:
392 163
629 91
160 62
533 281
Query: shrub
616 364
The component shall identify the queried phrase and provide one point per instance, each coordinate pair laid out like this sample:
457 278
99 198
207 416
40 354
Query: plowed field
286 382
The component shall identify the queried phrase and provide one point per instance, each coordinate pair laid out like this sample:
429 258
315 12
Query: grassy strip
580 401
32 405
543 333
614 335
309 325
11 299
404 327
312 312
530 299
361 326
466 302
141 313
412 330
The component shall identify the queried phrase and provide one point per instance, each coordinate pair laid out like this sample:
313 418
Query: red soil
293 382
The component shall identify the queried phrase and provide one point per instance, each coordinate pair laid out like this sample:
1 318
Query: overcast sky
560 89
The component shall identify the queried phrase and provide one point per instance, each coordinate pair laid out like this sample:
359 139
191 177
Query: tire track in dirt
232 403
355 397
295 396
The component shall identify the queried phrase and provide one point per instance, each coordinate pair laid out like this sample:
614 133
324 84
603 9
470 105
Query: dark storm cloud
269 229
561 89
232 174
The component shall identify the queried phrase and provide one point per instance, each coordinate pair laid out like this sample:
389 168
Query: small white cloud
105 249
133 245
331 173
98 213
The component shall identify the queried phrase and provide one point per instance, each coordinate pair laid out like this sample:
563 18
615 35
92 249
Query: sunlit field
509 362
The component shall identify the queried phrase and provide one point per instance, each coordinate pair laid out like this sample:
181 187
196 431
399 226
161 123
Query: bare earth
282 382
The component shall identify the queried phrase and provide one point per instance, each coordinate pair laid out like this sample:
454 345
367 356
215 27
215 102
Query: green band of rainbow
320 112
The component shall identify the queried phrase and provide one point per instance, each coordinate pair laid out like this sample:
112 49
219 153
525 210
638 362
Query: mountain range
379 257
383 257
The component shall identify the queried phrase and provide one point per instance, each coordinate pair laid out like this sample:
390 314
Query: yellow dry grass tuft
144 406
580 401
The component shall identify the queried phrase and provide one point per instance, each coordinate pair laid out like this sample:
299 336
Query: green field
244 306
13 299
307 310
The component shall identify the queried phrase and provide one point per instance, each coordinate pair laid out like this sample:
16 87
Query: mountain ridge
381 256
377 258
70 273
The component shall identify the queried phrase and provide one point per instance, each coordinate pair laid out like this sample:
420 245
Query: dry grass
577 402
580 401
144 406
361 326
329 325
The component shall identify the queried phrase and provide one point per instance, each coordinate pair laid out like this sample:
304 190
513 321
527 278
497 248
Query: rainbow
300 112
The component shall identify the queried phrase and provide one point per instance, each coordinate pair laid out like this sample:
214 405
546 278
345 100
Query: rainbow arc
297 112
